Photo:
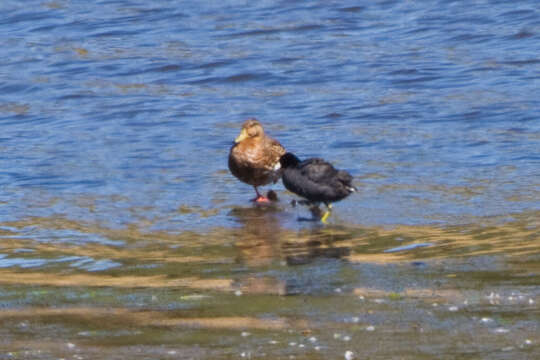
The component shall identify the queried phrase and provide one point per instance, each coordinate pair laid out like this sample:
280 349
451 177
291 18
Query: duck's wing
259 152
271 153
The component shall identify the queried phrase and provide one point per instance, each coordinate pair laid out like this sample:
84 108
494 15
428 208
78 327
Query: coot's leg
315 211
327 213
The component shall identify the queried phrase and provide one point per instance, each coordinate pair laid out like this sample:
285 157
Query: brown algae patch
126 281
150 318
15 108
262 237
263 289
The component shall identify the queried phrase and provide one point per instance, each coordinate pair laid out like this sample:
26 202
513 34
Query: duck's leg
260 198
326 215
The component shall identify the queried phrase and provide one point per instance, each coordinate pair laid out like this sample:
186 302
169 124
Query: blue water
116 118
122 112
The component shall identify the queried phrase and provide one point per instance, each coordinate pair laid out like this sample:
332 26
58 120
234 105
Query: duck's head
250 129
289 160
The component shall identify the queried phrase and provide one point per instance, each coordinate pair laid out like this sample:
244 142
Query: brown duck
254 157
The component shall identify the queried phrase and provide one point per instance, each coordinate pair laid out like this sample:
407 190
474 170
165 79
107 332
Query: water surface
123 235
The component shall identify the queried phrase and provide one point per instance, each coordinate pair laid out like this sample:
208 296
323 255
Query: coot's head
289 160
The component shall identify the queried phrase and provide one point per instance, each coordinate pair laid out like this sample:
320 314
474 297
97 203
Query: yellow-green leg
327 213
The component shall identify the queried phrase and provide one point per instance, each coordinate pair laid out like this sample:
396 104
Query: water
116 202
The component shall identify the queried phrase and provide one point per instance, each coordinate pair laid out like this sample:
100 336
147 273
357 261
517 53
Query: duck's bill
243 135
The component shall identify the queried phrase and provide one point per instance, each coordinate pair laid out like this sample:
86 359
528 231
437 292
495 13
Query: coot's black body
315 179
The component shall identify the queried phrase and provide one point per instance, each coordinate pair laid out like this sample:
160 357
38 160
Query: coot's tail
346 179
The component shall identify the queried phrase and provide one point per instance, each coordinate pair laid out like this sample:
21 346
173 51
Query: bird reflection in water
314 244
258 238
262 241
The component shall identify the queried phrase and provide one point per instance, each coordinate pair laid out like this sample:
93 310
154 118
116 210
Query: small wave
407 247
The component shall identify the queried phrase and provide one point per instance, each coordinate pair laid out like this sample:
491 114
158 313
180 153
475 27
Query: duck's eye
253 130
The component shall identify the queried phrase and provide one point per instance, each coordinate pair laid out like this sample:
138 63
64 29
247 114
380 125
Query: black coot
316 180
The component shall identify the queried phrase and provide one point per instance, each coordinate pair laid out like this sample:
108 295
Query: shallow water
123 235
260 290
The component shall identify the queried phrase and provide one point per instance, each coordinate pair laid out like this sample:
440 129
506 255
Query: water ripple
126 99
118 212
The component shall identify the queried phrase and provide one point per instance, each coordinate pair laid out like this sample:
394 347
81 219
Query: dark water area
123 234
